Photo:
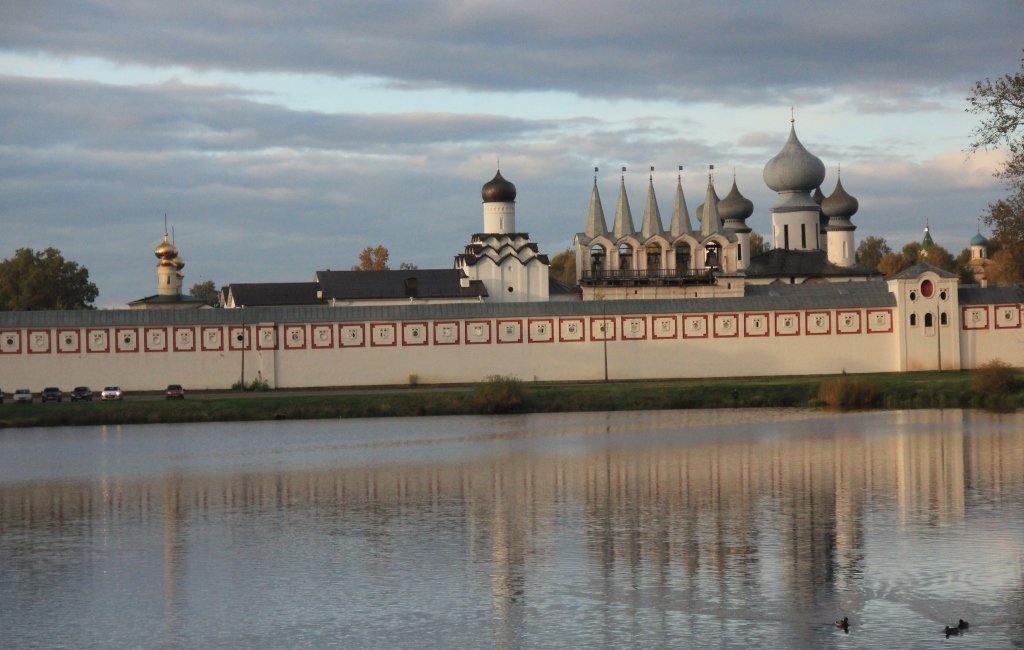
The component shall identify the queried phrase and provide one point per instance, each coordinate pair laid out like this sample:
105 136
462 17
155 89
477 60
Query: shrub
498 394
994 378
847 393
414 380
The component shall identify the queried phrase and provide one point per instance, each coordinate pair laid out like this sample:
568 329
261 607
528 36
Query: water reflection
711 528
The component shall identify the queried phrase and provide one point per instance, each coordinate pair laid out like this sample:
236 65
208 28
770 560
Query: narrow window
739 252
785 236
928 320
942 319
803 235
913 320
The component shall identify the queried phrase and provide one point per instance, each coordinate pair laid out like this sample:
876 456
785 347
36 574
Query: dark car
81 393
175 391
51 394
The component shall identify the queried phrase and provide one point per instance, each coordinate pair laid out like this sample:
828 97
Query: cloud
722 52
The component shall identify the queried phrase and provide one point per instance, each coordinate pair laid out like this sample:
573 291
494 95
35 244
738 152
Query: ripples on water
694 528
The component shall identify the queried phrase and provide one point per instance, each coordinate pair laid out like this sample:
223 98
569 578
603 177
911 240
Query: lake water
711 529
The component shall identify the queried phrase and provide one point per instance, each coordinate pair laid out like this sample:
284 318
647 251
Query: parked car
51 394
22 395
81 393
111 392
175 391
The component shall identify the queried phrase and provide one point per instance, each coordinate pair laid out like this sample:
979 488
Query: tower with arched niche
169 281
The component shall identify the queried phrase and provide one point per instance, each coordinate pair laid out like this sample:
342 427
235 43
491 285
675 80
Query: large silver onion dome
498 190
839 204
735 206
794 169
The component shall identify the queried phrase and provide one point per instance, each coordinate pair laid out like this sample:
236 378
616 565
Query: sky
279 139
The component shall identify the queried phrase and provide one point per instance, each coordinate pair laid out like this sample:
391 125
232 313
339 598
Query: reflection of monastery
689 300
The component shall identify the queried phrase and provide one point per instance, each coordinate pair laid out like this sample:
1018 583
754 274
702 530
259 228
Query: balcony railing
646 276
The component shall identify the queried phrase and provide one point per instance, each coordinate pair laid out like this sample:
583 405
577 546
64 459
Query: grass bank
502 395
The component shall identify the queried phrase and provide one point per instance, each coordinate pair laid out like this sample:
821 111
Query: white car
22 395
111 392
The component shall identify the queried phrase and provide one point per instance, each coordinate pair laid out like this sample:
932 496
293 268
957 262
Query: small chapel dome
794 169
979 240
498 190
839 203
178 263
165 249
735 206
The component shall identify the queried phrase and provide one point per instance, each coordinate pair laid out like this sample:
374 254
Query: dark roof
559 288
782 263
164 300
972 294
273 293
916 270
390 285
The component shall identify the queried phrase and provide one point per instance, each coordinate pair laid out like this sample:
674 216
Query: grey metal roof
273 293
972 294
390 285
916 270
850 295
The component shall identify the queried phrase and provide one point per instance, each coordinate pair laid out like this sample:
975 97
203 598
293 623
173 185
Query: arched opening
653 259
929 321
683 259
913 320
625 257
713 256
598 257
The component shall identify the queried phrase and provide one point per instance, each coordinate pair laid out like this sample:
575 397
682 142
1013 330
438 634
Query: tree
373 259
757 244
871 250
893 263
1001 105
563 267
407 266
44 280
207 291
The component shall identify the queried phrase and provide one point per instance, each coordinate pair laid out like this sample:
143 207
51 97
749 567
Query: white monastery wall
387 351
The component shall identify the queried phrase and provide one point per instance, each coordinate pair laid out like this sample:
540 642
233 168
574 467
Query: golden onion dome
166 249
178 263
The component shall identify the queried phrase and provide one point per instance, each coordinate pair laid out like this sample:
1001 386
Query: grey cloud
726 52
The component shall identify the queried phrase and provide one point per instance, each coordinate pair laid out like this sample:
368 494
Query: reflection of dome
839 203
165 249
794 169
735 206
498 190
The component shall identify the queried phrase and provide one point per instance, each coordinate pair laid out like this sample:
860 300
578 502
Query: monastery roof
916 270
972 294
166 300
383 285
258 294
782 263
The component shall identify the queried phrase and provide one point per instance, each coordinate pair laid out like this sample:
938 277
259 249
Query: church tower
839 207
499 197
796 217
168 268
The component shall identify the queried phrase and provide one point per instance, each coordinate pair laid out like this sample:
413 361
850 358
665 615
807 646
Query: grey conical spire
623 216
652 216
596 225
710 222
680 214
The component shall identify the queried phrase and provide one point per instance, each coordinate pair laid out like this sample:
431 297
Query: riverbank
502 395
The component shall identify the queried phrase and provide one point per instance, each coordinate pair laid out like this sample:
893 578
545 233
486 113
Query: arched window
682 259
913 320
653 259
625 257
942 319
597 258
713 255
928 320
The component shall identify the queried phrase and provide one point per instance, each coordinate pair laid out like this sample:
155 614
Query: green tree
206 290
871 250
373 258
1000 104
563 267
758 245
44 280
